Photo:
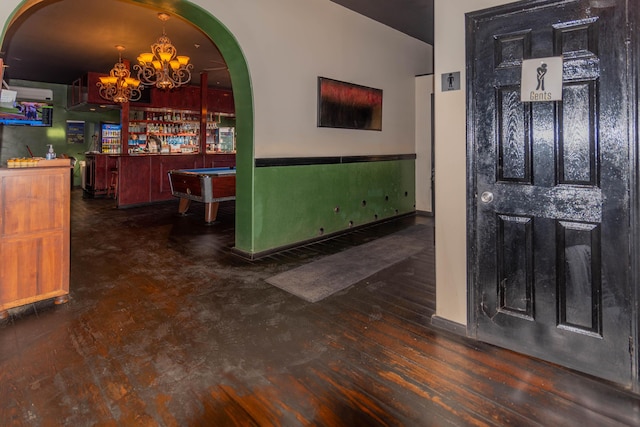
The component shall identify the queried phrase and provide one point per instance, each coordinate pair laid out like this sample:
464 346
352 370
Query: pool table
207 185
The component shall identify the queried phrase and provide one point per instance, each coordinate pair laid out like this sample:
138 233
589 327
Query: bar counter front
139 179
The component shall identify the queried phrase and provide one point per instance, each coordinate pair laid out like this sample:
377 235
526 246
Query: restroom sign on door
541 79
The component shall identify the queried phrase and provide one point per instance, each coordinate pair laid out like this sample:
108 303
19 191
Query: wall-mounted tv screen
26 113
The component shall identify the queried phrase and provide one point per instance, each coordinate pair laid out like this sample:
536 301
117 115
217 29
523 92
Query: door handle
486 197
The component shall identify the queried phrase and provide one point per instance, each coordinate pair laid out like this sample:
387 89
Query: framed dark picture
348 106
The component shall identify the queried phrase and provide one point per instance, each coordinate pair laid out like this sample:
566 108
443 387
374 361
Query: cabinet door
192 98
220 101
226 103
160 98
32 269
34 235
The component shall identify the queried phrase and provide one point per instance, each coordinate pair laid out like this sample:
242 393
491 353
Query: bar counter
139 179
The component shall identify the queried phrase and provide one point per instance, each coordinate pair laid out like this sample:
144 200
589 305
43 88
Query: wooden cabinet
34 235
84 90
221 160
182 98
220 101
188 98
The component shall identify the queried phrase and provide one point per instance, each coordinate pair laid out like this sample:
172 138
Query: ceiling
38 48
412 17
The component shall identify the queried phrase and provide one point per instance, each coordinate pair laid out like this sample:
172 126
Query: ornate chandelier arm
162 67
119 86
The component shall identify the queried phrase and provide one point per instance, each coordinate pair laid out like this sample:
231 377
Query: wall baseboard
449 325
257 255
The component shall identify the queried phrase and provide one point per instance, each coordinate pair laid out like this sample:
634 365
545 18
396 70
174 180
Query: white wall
450 157
424 90
289 43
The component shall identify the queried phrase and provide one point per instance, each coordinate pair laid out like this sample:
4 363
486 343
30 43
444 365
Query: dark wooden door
549 183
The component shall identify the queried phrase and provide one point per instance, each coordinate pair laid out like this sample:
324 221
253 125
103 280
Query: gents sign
541 79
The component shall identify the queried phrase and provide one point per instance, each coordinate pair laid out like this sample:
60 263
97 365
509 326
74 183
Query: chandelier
119 86
162 67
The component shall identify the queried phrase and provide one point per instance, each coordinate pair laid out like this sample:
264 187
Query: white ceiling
75 36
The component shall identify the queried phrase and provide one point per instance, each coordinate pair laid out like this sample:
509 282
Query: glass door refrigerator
227 139
110 136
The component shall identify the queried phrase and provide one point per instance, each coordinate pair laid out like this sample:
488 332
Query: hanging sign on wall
75 132
450 81
541 79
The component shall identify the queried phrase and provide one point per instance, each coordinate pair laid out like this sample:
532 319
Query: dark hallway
166 327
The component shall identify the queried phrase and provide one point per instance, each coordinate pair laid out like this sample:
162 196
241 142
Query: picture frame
75 132
348 106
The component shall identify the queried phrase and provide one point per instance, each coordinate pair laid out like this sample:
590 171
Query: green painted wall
14 139
293 203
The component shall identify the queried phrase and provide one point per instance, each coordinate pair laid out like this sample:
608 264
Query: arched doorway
238 70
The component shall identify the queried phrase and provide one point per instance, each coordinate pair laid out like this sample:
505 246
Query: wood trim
472 320
306 161
633 92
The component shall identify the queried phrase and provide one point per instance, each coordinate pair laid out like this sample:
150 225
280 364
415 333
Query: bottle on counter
50 154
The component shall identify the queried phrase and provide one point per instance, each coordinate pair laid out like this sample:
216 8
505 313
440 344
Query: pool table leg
211 211
184 205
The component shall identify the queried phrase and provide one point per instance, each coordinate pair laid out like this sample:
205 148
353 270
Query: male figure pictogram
542 70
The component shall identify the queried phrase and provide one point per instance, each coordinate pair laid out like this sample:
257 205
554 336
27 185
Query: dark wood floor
167 327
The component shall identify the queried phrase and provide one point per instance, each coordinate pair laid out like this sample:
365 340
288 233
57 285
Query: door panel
549 186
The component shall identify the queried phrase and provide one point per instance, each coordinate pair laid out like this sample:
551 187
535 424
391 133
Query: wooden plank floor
167 327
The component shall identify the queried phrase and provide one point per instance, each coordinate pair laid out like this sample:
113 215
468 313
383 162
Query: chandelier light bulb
162 67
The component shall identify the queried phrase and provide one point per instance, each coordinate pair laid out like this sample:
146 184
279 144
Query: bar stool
113 184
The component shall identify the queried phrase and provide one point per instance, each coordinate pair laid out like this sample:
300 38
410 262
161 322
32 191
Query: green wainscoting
298 203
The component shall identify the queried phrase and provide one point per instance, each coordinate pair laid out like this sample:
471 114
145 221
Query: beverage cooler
227 140
110 138
221 139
